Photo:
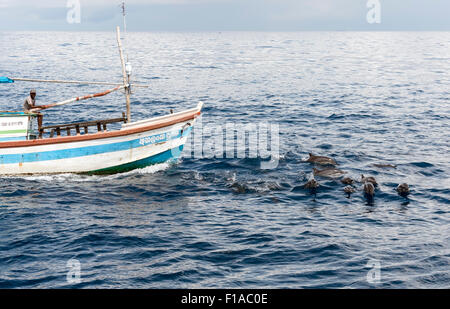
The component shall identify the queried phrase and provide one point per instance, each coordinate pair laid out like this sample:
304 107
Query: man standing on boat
30 103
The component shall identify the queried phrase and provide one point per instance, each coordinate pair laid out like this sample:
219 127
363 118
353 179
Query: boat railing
78 126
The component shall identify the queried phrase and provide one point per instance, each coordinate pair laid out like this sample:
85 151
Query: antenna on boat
126 77
126 67
124 25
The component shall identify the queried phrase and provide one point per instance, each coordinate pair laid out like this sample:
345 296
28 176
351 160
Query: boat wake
152 169
71 177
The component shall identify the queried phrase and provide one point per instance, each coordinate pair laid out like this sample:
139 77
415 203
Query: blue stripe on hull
162 157
89 150
17 138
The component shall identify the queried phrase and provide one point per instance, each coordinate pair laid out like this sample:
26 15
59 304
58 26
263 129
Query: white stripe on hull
91 163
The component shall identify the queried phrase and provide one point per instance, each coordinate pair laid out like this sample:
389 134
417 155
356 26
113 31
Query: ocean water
363 98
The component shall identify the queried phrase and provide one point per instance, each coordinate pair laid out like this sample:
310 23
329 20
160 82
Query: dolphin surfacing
322 160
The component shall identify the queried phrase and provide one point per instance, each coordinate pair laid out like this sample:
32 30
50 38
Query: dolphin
349 190
369 179
328 172
403 189
347 181
322 160
369 189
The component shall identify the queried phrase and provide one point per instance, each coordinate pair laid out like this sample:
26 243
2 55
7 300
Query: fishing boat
89 147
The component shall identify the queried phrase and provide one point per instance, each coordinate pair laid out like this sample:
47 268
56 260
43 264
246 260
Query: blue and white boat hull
136 145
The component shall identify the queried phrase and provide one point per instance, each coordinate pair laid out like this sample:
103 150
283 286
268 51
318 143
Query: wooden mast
126 81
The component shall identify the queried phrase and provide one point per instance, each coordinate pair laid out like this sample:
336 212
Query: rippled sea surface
362 98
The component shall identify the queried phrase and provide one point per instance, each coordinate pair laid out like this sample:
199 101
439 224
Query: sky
227 15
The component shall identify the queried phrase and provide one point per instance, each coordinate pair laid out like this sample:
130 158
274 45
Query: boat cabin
17 126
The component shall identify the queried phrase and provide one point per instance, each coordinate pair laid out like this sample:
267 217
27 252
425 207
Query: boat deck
77 126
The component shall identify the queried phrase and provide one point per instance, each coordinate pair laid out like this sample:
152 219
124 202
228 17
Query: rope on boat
73 82
89 96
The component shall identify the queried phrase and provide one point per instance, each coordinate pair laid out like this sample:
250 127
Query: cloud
278 15
96 3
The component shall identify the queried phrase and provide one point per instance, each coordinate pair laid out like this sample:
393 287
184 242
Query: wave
72 177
